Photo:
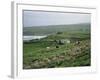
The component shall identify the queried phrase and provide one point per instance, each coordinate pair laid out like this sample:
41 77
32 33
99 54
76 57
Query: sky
43 18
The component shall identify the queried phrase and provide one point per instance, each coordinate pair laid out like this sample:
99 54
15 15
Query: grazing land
64 46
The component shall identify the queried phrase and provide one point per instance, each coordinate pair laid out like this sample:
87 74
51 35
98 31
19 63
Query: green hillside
42 30
66 46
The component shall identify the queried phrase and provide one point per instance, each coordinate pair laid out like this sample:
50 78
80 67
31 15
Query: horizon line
58 24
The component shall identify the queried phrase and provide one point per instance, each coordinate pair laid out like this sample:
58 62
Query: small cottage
63 41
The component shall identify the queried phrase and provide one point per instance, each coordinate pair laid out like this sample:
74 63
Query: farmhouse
65 40
62 41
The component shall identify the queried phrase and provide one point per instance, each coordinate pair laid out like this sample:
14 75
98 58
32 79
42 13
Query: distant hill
50 29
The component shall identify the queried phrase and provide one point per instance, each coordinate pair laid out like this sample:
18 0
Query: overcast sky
41 18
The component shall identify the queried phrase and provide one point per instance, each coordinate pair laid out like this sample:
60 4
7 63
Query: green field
65 46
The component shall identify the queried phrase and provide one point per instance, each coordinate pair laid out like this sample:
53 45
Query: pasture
65 46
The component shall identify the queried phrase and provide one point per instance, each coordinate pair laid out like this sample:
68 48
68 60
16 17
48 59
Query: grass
36 55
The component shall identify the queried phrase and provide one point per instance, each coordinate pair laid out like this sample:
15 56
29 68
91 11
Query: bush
59 32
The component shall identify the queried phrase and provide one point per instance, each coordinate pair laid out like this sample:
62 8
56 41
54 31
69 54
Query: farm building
63 41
